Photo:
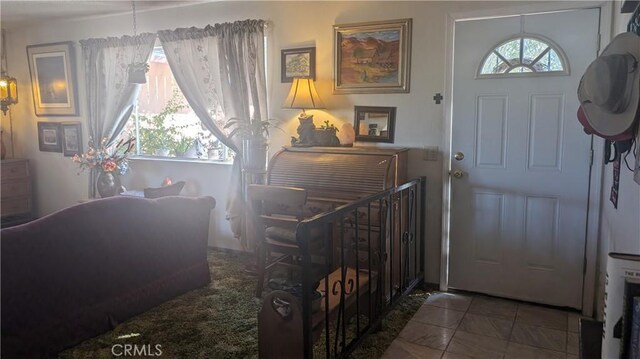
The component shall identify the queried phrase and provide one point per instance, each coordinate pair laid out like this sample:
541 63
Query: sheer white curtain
110 96
220 68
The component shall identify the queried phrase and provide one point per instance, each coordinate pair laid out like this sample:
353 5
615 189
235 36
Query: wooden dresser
16 201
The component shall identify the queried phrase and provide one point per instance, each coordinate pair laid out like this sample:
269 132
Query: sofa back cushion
73 264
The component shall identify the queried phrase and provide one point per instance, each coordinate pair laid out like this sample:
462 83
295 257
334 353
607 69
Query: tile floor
455 326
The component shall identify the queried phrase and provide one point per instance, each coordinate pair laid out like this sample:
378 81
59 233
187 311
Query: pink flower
105 159
109 165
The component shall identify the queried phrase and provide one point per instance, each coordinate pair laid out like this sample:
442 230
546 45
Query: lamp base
305 131
305 116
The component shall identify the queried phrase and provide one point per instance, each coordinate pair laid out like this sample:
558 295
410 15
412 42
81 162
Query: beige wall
419 120
619 228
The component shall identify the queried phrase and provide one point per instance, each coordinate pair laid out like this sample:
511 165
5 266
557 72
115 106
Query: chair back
277 205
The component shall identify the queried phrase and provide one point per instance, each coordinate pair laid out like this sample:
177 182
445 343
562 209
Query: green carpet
220 320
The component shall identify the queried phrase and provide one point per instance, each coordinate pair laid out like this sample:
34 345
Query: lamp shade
8 92
303 95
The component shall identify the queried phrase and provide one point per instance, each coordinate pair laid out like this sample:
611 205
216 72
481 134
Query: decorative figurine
305 133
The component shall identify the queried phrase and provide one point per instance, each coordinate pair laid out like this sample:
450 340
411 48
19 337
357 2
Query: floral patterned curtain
110 96
220 70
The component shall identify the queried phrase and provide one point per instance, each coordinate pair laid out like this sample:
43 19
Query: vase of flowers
110 161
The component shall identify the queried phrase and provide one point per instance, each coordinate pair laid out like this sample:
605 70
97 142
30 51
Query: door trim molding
590 281
595 176
446 154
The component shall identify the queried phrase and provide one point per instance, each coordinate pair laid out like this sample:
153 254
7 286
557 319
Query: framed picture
375 124
49 137
372 57
71 138
53 79
298 63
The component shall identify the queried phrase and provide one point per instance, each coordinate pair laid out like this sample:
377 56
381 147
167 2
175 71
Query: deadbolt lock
459 156
458 174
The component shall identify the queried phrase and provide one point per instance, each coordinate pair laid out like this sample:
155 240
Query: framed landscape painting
372 57
298 63
49 137
53 82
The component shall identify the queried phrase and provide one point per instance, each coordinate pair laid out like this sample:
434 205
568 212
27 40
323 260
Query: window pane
165 124
511 51
549 60
520 69
554 61
532 49
493 65
543 64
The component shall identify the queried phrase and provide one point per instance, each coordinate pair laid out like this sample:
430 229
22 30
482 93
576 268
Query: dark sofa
80 271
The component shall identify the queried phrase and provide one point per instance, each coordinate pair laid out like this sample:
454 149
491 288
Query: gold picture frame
53 79
372 57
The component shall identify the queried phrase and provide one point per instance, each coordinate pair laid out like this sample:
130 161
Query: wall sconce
8 84
8 92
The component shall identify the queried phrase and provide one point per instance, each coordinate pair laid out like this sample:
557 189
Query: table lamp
303 95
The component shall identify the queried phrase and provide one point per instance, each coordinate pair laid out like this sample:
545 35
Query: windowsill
179 159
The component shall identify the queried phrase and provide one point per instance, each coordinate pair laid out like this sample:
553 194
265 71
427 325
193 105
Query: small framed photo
375 124
71 138
53 79
372 57
49 137
298 63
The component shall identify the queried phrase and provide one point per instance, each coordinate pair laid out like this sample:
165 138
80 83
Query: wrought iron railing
364 257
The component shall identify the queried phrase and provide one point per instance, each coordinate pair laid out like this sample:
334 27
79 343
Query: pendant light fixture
137 70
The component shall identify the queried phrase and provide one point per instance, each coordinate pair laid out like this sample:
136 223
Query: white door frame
595 180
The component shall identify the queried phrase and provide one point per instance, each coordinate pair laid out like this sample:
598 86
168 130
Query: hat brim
604 122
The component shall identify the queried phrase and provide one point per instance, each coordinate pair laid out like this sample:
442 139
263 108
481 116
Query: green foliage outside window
156 134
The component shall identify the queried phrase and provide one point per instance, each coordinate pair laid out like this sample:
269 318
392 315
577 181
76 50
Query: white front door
519 209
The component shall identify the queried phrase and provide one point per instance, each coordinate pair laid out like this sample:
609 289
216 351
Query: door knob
458 174
459 156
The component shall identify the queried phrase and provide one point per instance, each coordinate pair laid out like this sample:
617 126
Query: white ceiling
13 13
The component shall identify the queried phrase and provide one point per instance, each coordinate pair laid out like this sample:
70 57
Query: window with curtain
164 123
220 71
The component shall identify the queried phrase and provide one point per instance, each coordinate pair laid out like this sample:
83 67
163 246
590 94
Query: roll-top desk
334 176
338 174
371 247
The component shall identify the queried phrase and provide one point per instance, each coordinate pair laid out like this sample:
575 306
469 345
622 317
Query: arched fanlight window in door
524 55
